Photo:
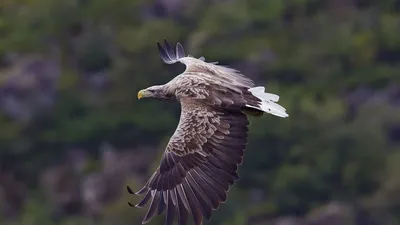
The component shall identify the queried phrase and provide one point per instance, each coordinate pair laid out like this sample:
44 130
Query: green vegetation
70 71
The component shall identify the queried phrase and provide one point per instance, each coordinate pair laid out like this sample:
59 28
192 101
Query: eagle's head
159 92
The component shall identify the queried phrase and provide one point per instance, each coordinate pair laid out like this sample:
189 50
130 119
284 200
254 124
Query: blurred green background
73 135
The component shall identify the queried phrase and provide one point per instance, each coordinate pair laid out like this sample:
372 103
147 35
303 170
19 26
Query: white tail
268 104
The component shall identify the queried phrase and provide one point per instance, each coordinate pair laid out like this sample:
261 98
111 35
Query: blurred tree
70 71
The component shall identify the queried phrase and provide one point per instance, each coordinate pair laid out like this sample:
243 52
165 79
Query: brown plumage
201 160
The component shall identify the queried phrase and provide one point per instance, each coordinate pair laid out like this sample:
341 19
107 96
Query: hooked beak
141 94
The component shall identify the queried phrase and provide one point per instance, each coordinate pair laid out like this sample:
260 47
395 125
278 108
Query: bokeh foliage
318 55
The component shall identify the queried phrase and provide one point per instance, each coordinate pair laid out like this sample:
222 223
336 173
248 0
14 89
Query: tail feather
268 104
259 92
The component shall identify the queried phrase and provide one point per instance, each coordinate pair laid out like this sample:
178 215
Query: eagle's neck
167 93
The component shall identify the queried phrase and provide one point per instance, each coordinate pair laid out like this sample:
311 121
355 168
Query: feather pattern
201 159
199 170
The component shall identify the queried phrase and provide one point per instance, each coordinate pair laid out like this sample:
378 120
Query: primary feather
201 160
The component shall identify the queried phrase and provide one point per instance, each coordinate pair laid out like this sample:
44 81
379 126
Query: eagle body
201 159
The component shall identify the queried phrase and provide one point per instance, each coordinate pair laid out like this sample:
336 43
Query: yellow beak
140 94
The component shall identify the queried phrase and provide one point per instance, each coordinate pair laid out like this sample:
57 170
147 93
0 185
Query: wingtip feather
180 52
169 50
167 53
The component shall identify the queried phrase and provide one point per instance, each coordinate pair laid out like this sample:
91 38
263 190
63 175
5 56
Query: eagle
201 159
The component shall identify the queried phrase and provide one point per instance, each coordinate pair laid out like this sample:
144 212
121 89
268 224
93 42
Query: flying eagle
201 160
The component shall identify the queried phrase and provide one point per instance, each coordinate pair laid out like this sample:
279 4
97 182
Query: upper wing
168 55
199 165
217 73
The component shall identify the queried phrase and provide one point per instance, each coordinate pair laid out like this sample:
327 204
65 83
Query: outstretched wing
201 68
199 165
